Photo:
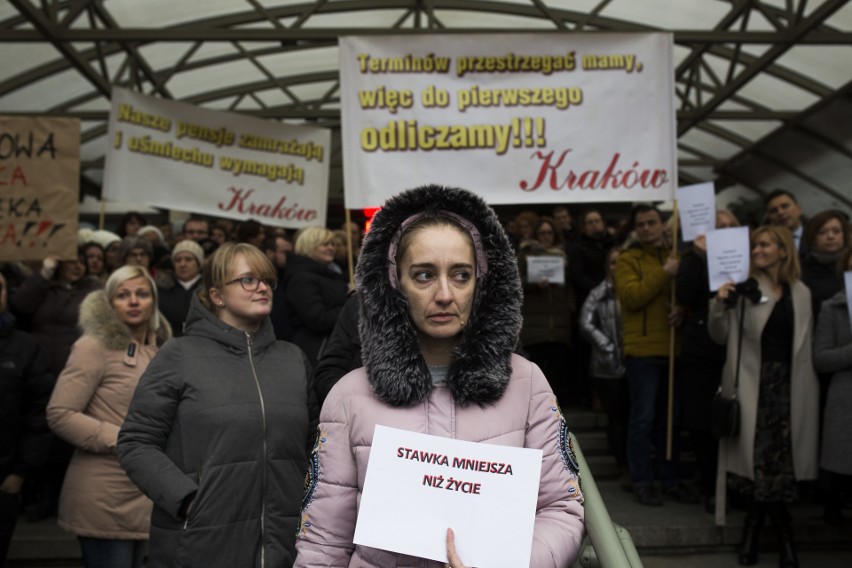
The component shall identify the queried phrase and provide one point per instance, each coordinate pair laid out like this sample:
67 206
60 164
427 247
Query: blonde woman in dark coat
778 391
221 424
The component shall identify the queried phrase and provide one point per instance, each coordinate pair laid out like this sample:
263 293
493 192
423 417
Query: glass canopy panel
754 130
830 65
704 173
841 19
93 149
199 81
777 94
94 103
225 103
23 57
300 62
484 20
161 13
51 92
348 19
814 158
834 124
669 14
710 144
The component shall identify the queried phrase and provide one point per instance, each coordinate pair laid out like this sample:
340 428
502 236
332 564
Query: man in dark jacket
588 256
587 265
342 352
25 386
277 249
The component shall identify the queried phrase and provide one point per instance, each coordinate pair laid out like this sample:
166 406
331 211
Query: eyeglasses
251 283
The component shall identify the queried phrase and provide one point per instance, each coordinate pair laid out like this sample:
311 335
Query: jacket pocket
377 557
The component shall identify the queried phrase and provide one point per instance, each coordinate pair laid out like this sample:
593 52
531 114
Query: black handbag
724 416
725 410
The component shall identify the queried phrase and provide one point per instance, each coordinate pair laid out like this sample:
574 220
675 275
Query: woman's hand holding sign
452 555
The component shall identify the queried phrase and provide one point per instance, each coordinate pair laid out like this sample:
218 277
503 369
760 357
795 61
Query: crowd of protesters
600 328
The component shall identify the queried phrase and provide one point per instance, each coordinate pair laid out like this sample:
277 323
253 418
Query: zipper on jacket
186 518
263 475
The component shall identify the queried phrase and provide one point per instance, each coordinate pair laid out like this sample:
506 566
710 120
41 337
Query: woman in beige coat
777 389
122 330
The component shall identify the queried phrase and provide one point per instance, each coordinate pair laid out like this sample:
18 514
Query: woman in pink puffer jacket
440 318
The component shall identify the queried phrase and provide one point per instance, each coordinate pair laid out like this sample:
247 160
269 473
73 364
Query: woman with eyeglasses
315 289
548 306
220 426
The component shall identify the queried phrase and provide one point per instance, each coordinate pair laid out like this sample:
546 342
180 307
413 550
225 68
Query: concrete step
593 442
769 559
677 528
584 420
43 544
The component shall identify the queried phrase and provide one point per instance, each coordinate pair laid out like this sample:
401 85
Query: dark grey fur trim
397 372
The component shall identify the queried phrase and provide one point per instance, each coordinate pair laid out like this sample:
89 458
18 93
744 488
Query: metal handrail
611 544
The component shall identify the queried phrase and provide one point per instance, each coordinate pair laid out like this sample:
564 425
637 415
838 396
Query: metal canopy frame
749 40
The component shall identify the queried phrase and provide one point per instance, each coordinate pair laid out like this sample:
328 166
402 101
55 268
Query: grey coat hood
202 322
396 370
98 319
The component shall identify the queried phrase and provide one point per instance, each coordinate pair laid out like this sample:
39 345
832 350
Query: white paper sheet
728 256
417 486
550 267
697 207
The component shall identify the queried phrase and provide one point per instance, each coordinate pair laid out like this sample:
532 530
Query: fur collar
99 320
395 368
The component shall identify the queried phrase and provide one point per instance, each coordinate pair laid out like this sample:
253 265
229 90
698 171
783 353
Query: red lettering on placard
555 174
241 201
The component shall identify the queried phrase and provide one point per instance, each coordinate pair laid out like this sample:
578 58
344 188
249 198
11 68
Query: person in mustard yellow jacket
644 276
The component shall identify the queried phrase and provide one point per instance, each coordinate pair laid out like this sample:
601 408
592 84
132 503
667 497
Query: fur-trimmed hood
480 371
99 320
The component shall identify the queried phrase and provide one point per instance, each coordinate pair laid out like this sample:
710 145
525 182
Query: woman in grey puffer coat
600 324
833 355
218 431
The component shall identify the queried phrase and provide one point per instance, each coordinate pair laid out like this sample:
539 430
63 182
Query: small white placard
847 276
550 267
697 207
418 485
728 255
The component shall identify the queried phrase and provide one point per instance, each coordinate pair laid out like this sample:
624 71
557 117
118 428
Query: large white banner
179 156
517 118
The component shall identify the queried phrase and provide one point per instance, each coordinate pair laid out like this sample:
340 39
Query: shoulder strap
739 344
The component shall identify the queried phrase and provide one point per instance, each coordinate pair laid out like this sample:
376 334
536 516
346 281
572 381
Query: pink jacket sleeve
75 387
559 527
330 506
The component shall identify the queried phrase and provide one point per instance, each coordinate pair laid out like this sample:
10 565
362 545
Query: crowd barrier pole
612 546
672 334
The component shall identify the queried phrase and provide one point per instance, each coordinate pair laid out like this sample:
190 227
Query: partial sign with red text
39 187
